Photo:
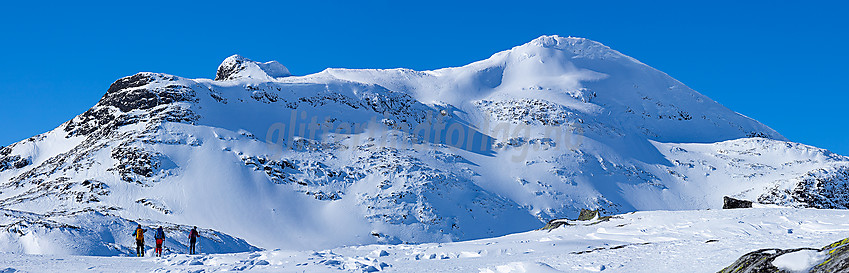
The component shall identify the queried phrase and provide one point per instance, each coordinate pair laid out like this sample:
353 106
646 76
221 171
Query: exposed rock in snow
831 258
820 188
733 203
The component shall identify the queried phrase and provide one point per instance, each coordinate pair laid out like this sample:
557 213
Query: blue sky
782 63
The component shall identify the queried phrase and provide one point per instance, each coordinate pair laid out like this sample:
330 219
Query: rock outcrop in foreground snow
831 258
499 146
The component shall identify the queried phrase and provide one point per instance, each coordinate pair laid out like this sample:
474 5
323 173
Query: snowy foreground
648 241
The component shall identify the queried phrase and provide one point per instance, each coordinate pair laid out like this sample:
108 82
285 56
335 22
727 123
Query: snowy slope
350 157
650 241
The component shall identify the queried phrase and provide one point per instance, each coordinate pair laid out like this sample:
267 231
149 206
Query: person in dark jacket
160 238
139 233
193 237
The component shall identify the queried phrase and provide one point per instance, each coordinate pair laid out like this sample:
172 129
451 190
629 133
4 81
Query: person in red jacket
193 236
160 238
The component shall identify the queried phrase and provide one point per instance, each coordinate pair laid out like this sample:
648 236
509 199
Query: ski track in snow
648 241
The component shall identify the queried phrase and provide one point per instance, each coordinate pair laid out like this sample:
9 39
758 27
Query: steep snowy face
625 92
588 80
498 146
236 67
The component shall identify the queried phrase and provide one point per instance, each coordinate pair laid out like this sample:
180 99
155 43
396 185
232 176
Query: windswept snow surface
649 241
265 159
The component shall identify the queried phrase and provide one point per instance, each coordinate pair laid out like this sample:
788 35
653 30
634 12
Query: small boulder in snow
587 215
732 203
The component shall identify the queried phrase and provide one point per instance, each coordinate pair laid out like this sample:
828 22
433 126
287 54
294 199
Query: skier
160 238
193 236
139 241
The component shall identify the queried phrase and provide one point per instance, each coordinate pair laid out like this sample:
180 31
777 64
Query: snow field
648 241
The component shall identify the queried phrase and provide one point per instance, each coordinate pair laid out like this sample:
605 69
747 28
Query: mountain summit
261 158
236 67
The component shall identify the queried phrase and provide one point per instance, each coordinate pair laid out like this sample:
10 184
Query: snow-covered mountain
261 158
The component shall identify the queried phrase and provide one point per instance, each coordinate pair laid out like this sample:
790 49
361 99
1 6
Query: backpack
139 234
160 234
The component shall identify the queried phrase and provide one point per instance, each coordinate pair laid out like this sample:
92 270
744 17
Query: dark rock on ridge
126 95
137 80
131 93
230 67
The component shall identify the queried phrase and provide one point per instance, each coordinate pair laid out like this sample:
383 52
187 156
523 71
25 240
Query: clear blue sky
782 63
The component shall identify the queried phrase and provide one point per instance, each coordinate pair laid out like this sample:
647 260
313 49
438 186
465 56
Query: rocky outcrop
759 261
826 188
837 259
230 67
121 104
134 163
13 162
732 203
834 258
587 215
586 218
9 161
309 177
126 94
